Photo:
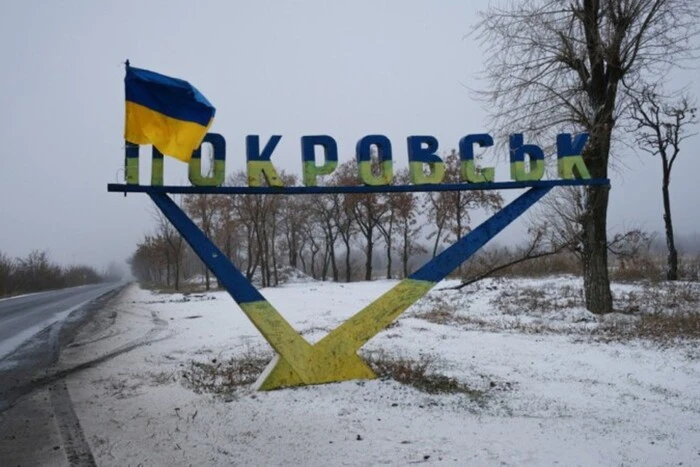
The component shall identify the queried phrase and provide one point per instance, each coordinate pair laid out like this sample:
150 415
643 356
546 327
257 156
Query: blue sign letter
259 163
421 151
364 160
470 172
308 157
518 151
569 160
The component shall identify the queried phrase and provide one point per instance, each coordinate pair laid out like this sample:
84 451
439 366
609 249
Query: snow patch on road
10 345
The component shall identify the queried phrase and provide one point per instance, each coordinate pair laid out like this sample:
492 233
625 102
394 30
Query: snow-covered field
553 386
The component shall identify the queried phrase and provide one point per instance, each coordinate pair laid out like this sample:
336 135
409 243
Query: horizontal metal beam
314 190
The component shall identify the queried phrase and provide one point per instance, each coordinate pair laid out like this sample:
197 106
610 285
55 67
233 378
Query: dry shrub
537 300
664 312
663 297
650 266
441 311
689 268
559 263
422 374
562 262
643 266
668 327
223 377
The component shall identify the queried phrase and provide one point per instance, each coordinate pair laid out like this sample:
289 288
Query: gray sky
292 68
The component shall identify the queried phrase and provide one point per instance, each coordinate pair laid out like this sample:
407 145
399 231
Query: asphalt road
23 317
38 425
33 328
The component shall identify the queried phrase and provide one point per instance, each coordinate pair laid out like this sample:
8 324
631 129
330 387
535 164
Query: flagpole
126 143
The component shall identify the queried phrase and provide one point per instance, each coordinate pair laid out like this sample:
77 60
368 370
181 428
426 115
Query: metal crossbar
317 190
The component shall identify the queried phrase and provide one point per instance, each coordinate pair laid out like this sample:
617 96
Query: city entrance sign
172 115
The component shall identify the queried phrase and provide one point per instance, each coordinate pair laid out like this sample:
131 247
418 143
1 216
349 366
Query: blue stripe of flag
172 97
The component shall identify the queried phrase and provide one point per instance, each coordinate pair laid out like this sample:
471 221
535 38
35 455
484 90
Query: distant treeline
346 237
36 272
334 236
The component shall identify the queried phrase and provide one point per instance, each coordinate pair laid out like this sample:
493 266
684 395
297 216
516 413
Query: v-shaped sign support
334 358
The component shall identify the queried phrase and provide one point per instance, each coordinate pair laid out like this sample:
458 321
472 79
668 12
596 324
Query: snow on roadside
551 397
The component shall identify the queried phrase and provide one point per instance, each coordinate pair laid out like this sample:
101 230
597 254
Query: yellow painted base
326 369
334 358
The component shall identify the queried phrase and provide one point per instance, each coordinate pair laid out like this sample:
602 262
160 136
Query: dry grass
538 301
665 328
662 297
663 312
441 311
422 374
637 268
224 377
487 260
184 288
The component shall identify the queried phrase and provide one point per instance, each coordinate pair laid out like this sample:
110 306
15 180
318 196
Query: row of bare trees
36 272
323 235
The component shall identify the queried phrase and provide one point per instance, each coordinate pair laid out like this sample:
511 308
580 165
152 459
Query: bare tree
202 209
389 203
311 246
368 212
345 225
559 65
661 126
555 228
406 209
173 247
7 268
345 222
293 219
148 261
559 220
324 210
229 234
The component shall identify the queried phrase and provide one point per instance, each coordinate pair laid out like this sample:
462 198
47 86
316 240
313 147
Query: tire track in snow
75 445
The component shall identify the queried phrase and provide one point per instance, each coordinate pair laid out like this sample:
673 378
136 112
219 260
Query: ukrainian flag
168 113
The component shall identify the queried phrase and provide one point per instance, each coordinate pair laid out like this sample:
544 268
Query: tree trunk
334 264
313 263
596 283
228 247
275 269
347 260
460 268
177 274
326 263
404 255
293 254
672 272
437 240
388 258
369 252
167 267
303 263
265 266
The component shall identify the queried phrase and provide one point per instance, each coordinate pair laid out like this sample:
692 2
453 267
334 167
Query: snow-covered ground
554 387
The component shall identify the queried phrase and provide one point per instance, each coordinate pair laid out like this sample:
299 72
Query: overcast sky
292 68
